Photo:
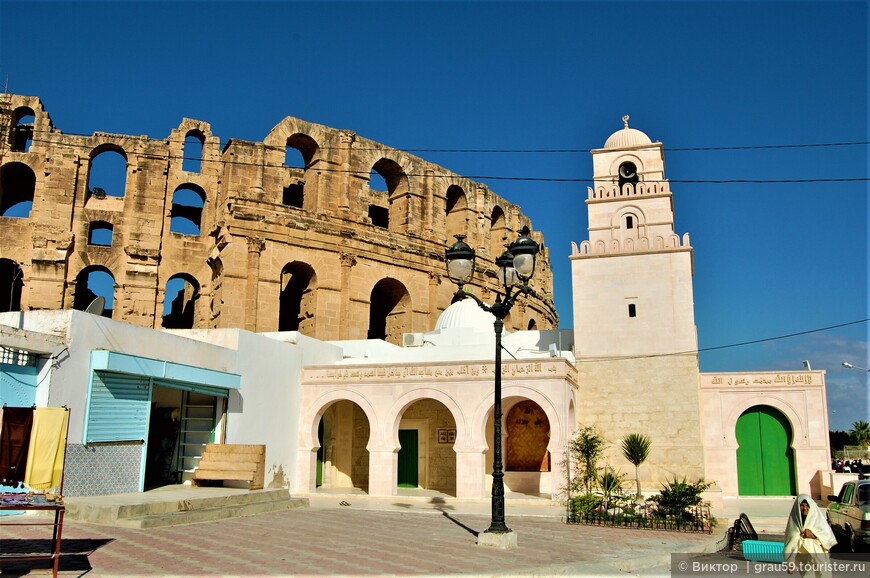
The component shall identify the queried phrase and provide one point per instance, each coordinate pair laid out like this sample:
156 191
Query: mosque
376 415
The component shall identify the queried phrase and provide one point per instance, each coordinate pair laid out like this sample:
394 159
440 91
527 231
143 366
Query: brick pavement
347 542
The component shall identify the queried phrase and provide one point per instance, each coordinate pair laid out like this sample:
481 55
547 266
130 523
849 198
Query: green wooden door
408 453
765 458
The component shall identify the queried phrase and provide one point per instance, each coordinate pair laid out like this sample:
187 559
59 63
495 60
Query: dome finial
625 120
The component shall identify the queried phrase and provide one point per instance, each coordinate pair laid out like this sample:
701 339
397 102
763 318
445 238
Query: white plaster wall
659 284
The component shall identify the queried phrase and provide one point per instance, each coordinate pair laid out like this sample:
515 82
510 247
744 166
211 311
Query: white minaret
634 320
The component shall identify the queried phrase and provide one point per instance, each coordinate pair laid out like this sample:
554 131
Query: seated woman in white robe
808 539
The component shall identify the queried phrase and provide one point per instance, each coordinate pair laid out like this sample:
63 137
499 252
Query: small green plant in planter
677 497
610 483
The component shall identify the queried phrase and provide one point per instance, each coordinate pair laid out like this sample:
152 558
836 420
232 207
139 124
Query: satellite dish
96 306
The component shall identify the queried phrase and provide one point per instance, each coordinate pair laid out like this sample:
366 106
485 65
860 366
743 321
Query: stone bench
232 462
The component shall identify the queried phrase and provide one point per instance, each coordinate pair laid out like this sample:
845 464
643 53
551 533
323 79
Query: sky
748 80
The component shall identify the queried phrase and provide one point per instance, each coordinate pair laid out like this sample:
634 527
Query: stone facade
256 240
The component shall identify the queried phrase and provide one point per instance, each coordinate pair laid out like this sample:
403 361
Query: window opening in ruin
185 217
179 302
380 216
457 216
93 282
629 222
293 158
294 195
193 144
627 174
632 310
377 182
297 301
533 325
22 133
389 310
498 233
107 175
11 282
17 186
100 233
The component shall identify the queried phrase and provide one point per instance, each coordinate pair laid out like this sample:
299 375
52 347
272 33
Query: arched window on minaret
627 176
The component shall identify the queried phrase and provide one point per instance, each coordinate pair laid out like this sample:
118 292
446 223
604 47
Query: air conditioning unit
412 339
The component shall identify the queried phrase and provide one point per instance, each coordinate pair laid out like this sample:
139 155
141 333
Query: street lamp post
848 365
516 266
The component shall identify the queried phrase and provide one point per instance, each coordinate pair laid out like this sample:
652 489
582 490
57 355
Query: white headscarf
814 521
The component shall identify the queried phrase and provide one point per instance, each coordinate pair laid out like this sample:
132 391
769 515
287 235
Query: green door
408 458
765 458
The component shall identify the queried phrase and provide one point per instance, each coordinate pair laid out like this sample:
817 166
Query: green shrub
676 499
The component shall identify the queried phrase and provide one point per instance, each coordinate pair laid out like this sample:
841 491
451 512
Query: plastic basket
763 551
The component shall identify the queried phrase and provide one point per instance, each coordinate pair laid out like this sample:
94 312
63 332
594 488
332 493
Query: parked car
849 515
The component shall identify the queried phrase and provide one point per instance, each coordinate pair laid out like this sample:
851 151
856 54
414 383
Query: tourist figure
808 539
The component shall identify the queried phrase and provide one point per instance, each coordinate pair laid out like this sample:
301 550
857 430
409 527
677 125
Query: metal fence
693 519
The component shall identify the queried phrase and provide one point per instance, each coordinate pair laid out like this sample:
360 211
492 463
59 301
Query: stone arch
423 459
398 188
185 215
21 136
301 152
107 174
92 282
298 298
777 403
11 284
194 149
181 294
390 311
528 434
497 232
17 190
456 209
478 429
403 402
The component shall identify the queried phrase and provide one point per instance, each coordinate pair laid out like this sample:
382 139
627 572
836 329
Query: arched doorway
426 458
343 461
765 458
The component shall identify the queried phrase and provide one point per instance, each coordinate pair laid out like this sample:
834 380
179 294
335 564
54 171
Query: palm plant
861 433
635 448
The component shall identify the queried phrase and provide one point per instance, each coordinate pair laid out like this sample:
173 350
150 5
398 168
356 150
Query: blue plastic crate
763 551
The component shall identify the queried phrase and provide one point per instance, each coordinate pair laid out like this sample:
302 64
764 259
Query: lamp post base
501 540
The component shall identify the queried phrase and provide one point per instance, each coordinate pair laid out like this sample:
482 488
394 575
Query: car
849 515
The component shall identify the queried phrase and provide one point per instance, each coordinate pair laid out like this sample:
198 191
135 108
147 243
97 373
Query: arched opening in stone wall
765 456
298 300
194 142
389 311
92 282
427 434
100 233
533 325
498 232
179 301
343 458
628 175
21 136
185 217
17 188
300 152
389 174
107 174
457 213
11 283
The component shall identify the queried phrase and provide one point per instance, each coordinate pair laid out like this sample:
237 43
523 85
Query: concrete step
177 505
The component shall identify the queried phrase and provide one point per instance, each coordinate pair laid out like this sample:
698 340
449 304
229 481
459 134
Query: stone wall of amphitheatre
266 243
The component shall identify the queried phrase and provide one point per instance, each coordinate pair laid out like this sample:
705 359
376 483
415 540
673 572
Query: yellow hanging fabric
47 448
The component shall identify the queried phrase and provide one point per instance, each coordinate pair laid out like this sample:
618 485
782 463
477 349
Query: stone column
346 138
255 248
348 261
434 283
383 472
471 474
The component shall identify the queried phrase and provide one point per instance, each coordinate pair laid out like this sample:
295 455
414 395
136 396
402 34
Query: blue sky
771 259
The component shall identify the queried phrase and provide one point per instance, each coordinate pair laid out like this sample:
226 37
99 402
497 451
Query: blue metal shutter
119 407
194 387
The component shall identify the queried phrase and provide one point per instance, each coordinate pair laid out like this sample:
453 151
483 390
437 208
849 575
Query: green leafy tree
861 433
586 448
635 448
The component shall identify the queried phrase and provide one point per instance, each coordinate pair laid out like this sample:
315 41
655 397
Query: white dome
626 137
465 314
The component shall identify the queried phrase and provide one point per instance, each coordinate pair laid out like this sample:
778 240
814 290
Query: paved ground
351 542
